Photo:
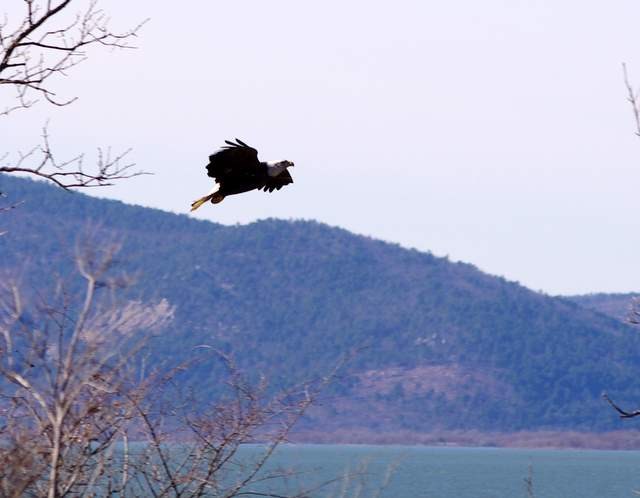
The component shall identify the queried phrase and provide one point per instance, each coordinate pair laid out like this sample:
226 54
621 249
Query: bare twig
632 97
633 316
623 413
70 173
7 208
528 483
4 209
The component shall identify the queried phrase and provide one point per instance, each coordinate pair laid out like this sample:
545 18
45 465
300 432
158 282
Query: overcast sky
495 132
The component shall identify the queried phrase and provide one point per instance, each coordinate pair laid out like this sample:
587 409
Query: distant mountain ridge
617 306
442 346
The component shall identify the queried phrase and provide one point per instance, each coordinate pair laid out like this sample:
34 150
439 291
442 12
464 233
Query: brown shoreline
615 440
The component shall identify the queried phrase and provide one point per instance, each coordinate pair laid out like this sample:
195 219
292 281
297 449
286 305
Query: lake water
425 472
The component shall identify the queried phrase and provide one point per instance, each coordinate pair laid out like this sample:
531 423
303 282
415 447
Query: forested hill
618 306
441 344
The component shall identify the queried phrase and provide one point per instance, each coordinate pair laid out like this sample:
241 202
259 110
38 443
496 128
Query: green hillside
441 344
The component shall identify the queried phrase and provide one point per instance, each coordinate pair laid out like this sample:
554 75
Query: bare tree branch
70 173
49 41
37 50
623 413
633 316
632 97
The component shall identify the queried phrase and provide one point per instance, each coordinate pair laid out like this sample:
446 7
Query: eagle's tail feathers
214 196
196 204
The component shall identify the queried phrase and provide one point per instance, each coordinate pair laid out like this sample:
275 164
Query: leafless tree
46 43
74 396
634 310
211 457
634 319
633 316
68 389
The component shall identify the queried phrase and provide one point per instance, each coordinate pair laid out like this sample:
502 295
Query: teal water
425 472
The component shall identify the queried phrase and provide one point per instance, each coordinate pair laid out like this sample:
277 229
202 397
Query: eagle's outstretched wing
277 182
236 159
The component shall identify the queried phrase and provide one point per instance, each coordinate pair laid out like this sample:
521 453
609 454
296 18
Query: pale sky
495 132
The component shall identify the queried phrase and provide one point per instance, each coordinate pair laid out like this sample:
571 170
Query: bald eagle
236 169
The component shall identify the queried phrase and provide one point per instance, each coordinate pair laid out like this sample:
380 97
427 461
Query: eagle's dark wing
236 159
277 182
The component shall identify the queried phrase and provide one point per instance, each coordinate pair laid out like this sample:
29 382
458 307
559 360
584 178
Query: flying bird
236 169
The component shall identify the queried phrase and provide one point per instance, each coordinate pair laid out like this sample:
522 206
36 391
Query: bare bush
80 415
68 384
204 452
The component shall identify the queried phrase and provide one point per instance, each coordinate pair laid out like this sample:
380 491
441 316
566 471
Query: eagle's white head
277 167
